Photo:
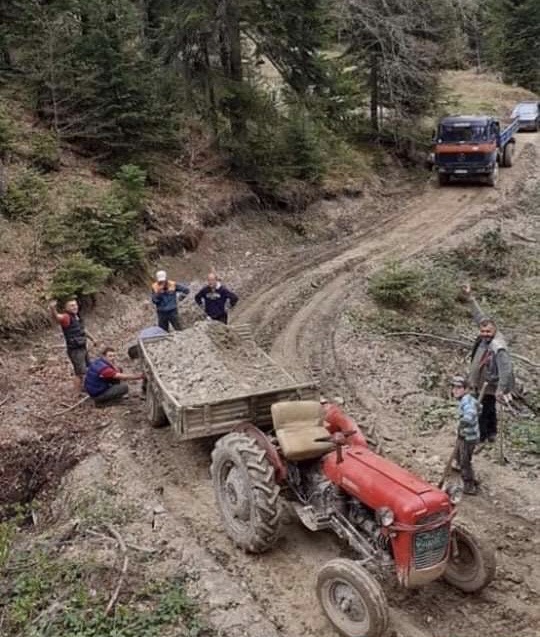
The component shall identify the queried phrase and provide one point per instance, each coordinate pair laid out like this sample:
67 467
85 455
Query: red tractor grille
430 547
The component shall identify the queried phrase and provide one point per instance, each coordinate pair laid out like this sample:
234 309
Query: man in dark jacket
215 299
75 335
491 364
164 297
104 381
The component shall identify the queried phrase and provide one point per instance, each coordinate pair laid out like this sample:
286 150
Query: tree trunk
231 61
374 92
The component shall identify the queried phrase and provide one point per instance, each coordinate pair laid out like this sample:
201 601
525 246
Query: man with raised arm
75 335
491 364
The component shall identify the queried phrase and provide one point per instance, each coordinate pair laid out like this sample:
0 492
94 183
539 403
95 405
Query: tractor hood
378 482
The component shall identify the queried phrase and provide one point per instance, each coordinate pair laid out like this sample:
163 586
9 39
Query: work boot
470 488
479 447
492 438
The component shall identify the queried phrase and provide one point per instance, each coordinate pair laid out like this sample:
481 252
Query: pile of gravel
210 362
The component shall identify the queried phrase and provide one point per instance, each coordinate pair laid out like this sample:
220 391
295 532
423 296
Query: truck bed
238 402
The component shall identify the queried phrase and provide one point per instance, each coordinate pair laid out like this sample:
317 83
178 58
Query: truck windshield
525 109
452 133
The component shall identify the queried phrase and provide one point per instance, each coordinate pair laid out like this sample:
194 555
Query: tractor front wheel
352 599
246 492
471 565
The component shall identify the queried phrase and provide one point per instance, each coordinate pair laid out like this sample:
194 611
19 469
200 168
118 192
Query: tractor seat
297 423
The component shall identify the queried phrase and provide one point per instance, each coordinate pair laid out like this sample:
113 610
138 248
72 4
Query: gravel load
209 362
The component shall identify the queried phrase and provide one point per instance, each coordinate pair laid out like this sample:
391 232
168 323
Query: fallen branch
435 337
123 550
71 407
135 547
61 412
523 238
455 341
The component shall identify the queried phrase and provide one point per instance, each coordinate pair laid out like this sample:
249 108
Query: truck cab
472 147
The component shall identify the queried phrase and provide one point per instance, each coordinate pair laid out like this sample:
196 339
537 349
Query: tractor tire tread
265 525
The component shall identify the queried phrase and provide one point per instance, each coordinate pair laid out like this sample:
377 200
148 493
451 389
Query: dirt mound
31 463
211 362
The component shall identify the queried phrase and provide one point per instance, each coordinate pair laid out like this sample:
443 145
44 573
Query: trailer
473 147
193 417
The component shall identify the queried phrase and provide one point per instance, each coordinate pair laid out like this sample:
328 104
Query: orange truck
473 148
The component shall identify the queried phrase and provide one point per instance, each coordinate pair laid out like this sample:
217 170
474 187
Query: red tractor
317 458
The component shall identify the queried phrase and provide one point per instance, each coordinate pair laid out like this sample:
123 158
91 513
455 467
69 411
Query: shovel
448 467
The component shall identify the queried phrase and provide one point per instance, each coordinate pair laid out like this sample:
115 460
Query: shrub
45 153
396 286
78 276
130 183
25 196
6 133
303 151
487 255
107 233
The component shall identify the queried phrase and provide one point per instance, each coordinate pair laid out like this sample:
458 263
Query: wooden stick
123 550
457 342
4 401
64 411
135 547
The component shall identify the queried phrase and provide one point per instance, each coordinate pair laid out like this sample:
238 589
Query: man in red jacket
75 335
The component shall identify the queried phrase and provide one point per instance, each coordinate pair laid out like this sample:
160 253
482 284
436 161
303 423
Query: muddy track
309 302
295 313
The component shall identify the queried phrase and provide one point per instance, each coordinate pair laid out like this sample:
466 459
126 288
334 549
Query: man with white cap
165 294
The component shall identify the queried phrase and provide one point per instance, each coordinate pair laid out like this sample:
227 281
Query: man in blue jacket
164 297
104 381
215 299
468 432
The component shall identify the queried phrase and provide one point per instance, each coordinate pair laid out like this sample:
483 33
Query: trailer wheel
154 410
352 599
508 155
246 492
471 565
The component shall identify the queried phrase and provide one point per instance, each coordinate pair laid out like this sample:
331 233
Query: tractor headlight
384 516
455 493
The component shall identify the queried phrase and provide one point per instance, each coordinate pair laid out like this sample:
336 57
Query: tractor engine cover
419 554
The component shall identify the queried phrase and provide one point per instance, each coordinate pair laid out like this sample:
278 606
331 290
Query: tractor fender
265 443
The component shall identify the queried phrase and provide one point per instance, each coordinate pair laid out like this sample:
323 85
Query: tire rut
304 341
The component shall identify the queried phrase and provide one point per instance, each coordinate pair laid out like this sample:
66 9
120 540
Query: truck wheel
493 177
246 492
154 410
352 599
508 155
444 179
471 565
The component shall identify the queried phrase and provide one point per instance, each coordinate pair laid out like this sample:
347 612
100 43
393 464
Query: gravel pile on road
210 362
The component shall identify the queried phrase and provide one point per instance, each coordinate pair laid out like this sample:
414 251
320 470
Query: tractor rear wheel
471 565
352 599
246 491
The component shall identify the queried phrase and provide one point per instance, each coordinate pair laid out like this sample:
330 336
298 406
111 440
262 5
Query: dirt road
296 313
308 299
296 308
